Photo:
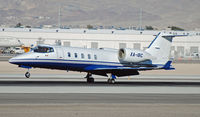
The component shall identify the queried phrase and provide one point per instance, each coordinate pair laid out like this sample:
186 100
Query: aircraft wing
123 70
118 71
93 68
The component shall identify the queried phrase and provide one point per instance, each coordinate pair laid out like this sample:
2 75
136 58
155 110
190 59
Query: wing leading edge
123 70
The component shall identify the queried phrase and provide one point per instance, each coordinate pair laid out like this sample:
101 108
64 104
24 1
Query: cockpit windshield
43 49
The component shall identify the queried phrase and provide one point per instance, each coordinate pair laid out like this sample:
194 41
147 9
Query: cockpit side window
51 49
42 49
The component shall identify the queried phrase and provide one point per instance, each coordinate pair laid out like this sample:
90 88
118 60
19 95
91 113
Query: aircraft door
59 52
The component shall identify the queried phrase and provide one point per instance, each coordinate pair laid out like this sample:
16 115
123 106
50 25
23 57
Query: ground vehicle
18 50
13 50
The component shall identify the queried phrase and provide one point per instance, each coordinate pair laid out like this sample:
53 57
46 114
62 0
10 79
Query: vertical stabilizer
160 48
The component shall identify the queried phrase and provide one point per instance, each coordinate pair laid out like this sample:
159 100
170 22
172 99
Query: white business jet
104 62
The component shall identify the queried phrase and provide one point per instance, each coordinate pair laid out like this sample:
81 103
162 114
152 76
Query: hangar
187 47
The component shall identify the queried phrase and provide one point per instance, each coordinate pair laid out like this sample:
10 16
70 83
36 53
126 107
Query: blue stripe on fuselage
63 65
60 60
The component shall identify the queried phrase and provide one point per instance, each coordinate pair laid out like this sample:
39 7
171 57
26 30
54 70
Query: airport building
187 47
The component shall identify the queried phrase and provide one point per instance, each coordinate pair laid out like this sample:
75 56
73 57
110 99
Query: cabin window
41 49
95 57
69 54
89 56
82 56
75 55
51 50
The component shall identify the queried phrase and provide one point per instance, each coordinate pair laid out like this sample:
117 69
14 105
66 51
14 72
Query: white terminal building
187 47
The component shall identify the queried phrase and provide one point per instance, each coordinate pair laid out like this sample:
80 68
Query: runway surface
75 83
70 95
95 98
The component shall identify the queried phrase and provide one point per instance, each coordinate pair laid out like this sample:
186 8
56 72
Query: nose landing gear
27 74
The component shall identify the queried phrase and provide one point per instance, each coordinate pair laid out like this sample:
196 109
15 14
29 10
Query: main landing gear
27 74
111 80
89 77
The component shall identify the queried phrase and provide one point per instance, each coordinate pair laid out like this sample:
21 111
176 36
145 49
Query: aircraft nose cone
11 60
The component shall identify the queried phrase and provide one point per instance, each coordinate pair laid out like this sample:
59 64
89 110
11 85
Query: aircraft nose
11 60
20 58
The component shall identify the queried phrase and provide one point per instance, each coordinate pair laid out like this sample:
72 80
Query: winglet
168 65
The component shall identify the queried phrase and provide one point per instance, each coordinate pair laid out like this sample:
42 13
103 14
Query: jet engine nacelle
126 55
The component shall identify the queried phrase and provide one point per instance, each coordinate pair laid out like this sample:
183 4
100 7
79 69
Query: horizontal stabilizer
173 35
168 65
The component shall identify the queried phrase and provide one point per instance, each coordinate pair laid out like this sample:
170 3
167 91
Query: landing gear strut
27 74
89 77
112 79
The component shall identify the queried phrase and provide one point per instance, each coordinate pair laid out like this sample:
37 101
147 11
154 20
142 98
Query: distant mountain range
124 13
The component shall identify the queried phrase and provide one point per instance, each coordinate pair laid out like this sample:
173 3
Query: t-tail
160 49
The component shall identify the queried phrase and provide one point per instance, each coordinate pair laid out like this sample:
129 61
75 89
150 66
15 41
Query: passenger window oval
95 57
82 56
69 54
89 56
75 55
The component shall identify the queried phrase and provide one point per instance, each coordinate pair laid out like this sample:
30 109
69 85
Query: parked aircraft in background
104 62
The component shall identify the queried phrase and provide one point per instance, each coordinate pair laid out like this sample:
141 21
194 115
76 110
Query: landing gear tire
89 77
111 81
90 80
27 75
108 81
